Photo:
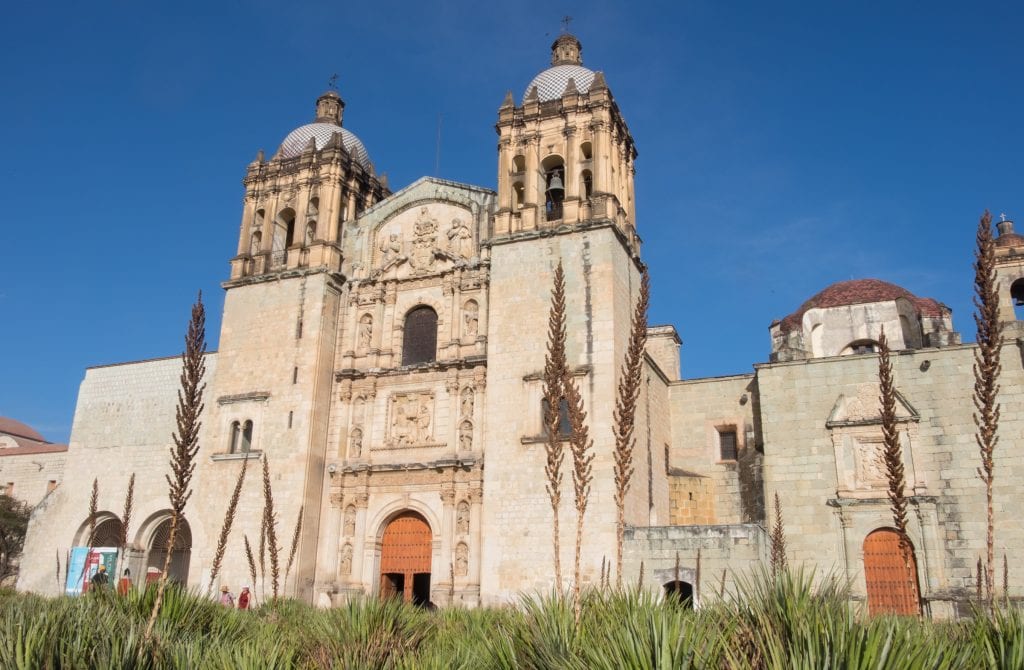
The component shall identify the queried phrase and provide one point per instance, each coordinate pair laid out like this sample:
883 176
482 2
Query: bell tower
565 154
1010 277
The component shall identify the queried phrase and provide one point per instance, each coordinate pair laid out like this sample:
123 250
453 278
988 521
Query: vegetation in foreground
783 622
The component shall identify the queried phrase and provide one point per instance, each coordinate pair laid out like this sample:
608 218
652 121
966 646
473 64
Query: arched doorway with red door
405 558
890 573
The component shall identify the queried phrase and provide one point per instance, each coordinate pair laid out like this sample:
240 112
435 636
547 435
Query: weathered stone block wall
691 500
123 424
700 408
729 550
807 438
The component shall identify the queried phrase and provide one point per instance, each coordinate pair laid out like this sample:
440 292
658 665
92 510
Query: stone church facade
384 352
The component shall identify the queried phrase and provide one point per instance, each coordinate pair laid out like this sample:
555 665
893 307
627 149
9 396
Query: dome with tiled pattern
551 83
296 141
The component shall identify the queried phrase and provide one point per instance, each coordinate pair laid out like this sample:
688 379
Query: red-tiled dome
1010 240
19 429
859 292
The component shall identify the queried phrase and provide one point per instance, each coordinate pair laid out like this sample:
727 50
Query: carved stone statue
424 242
350 521
256 242
462 518
423 424
365 333
391 248
411 417
310 233
355 447
461 560
470 319
467 402
460 239
466 436
345 567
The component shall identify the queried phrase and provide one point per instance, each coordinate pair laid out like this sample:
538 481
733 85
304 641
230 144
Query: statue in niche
391 248
461 560
257 240
467 402
462 518
365 333
466 436
470 319
460 239
350 521
345 567
310 233
358 409
355 448
423 424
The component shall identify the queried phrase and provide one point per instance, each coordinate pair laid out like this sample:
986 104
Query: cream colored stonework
328 266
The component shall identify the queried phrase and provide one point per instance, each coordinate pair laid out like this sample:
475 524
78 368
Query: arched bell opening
1017 298
554 187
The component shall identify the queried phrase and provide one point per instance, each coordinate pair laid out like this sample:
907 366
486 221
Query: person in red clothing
243 598
125 584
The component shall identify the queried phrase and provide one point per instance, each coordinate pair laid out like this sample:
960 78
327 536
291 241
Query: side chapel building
384 351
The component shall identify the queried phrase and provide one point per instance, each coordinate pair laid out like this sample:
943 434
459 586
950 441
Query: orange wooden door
406 550
890 571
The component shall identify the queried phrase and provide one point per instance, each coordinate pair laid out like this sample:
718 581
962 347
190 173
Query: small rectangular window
564 429
289 419
295 375
727 444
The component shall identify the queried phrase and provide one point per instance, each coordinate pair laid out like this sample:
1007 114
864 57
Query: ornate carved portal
411 420
405 558
890 571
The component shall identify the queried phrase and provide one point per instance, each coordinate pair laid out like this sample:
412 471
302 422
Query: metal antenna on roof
565 23
332 83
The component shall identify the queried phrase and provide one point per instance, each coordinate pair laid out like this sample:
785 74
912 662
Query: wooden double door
890 570
407 546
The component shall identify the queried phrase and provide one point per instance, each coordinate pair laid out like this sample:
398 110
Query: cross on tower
332 83
565 23
1002 217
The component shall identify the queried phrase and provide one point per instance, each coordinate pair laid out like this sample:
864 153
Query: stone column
447 533
364 544
475 545
329 552
391 327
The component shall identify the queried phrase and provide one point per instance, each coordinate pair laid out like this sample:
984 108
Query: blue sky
783 146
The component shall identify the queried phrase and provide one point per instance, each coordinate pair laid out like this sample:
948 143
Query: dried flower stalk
252 562
295 545
225 528
581 446
892 452
986 378
269 526
778 541
625 413
186 443
555 365
126 516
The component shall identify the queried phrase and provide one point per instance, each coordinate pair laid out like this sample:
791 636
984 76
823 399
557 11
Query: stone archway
680 592
156 551
405 558
890 573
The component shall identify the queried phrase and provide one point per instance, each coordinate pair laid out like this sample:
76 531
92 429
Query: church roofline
144 360
425 180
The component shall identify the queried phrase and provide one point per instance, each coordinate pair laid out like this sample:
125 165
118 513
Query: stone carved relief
869 454
470 319
424 241
468 399
349 525
466 436
460 239
365 333
391 248
411 418
461 560
355 443
462 518
345 565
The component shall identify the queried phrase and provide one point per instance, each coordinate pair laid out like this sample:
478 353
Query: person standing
125 583
226 599
100 579
243 598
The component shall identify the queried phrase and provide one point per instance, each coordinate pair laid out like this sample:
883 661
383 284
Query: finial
509 101
1002 217
259 156
532 94
332 82
570 87
599 83
566 20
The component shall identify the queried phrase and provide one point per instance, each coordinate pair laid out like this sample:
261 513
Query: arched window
519 164
860 347
518 195
554 187
256 243
236 436
420 343
247 437
1017 297
587 151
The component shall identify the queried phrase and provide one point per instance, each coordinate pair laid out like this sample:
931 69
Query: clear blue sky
783 146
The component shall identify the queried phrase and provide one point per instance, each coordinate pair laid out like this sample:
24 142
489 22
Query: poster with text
84 563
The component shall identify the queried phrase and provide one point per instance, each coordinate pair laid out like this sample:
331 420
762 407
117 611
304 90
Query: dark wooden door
406 551
890 571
